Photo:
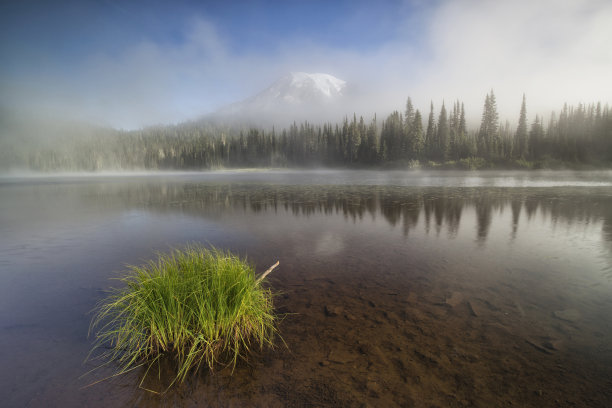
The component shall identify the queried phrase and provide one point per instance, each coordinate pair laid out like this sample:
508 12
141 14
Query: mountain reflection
441 207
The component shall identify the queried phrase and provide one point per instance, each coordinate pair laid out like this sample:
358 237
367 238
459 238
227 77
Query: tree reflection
442 207
483 208
516 203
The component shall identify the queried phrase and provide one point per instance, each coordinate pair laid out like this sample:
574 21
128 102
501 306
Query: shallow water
399 288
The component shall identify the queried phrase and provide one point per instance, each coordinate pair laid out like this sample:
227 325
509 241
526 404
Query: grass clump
196 306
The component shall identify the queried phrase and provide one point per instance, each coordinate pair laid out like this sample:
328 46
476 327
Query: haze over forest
78 74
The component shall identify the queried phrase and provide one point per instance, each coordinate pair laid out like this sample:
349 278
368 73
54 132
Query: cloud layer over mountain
554 51
294 97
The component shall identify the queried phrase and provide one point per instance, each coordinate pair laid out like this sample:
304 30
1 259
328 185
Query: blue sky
111 26
129 64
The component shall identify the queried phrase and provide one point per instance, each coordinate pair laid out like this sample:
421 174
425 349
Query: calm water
402 288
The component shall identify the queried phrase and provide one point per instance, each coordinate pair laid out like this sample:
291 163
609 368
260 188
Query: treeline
578 135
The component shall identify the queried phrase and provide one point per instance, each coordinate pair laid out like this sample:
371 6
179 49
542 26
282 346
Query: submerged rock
538 347
333 311
475 308
455 299
569 315
552 344
340 356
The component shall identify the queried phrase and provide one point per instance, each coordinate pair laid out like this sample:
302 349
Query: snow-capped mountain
299 88
296 96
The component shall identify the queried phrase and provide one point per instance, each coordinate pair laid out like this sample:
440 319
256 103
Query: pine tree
488 133
391 135
520 150
464 147
353 140
418 142
454 131
371 155
536 136
408 136
462 124
430 136
443 134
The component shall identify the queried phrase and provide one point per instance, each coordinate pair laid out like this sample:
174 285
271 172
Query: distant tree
409 113
505 141
580 133
418 140
453 148
487 134
465 147
520 149
369 153
536 139
443 134
462 124
391 136
354 136
430 135
408 136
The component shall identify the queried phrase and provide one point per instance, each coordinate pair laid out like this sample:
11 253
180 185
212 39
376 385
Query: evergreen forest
576 137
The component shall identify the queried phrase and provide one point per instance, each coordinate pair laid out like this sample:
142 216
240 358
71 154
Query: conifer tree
407 137
462 124
391 135
443 134
353 139
430 136
536 135
520 150
371 155
464 149
488 132
454 131
418 141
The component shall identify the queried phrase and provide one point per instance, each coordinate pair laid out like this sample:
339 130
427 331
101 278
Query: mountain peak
299 88
296 95
327 84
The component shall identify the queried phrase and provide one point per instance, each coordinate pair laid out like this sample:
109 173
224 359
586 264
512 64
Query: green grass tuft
197 306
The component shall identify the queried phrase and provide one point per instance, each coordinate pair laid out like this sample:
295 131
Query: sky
129 64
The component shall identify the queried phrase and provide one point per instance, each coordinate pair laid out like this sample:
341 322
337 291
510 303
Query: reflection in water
607 237
496 286
516 205
442 208
430 209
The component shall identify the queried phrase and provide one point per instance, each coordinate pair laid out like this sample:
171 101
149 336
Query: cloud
554 51
145 83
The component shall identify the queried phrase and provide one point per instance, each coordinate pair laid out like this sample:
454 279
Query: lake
424 289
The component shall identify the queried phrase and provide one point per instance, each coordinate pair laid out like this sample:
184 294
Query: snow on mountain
294 96
300 87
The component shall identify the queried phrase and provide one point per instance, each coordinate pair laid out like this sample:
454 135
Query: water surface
400 288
